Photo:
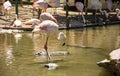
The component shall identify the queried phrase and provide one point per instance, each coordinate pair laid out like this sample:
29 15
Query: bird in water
50 28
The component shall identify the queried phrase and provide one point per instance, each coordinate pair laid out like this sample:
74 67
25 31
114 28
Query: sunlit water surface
86 48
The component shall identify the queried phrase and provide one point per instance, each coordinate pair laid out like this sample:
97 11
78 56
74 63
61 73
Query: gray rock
112 65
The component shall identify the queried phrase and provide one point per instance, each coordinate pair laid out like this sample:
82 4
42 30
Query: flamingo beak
63 44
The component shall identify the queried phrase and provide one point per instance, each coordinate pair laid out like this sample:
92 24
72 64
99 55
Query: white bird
80 6
17 22
109 5
47 16
7 7
54 4
49 27
118 13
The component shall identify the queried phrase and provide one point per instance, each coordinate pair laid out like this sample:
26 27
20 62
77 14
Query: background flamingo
118 13
95 5
47 16
80 6
17 22
109 5
41 5
53 4
7 6
50 28
32 21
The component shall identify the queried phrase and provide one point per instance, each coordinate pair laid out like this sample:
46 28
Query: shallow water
86 48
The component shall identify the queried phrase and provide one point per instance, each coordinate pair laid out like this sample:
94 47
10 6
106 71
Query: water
86 48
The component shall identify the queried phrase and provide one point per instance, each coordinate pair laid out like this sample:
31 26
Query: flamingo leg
46 49
83 17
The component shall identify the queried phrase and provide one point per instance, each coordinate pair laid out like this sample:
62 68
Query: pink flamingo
53 3
47 16
41 4
80 6
7 7
109 4
49 27
95 4
32 21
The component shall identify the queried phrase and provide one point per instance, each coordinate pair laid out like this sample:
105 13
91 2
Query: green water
17 55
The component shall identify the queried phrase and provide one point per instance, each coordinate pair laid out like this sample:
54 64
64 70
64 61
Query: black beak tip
63 44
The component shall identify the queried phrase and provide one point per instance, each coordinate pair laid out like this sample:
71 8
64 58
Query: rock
56 53
112 65
115 54
51 66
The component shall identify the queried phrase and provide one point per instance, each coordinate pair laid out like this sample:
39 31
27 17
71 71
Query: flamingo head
62 36
117 10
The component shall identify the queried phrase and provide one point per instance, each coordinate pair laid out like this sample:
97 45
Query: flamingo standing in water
7 7
49 27
118 13
47 16
80 6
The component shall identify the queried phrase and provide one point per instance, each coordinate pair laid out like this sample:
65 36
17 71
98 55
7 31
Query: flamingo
53 3
109 4
47 16
17 22
118 13
40 4
49 27
7 7
96 5
32 21
80 6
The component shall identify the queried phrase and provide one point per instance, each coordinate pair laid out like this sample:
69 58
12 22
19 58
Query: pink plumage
41 4
47 16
